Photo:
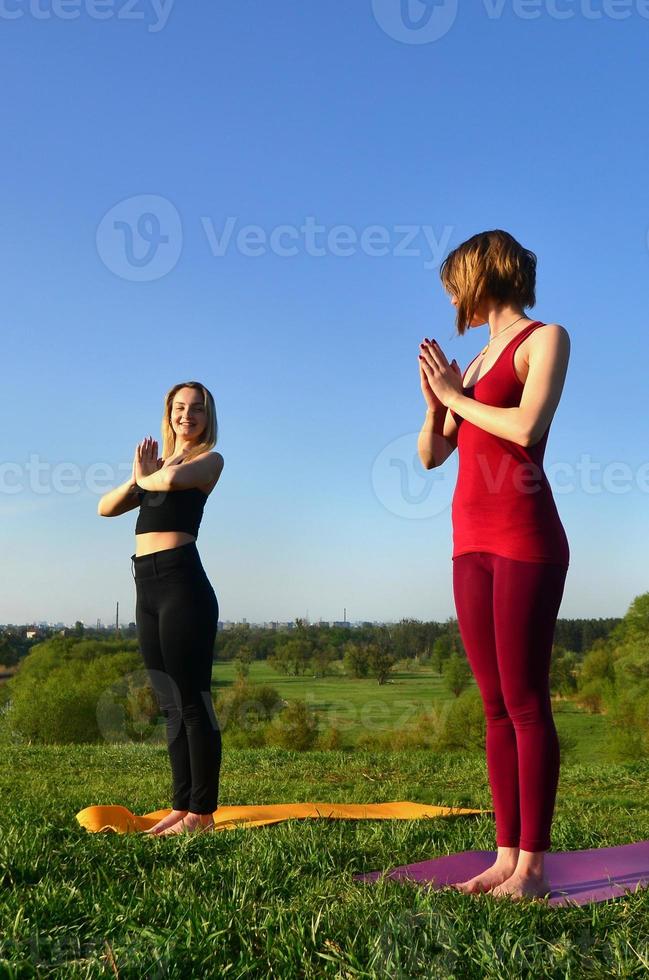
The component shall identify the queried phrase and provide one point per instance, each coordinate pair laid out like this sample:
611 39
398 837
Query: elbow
170 481
427 462
529 439
527 436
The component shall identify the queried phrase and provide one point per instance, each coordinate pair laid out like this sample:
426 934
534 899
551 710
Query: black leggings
176 616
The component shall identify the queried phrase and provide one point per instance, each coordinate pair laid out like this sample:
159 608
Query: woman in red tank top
510 550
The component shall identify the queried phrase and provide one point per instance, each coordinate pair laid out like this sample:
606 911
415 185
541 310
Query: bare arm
199 471
438 438
118 501
526 423
123 498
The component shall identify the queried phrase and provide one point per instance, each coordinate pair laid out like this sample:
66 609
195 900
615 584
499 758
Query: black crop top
170 510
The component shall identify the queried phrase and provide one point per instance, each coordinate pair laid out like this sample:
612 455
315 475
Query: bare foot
524 885
192 823
498 872
165 822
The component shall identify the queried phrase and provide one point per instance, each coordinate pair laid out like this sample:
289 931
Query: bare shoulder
553 339
217 466
216 459
552 333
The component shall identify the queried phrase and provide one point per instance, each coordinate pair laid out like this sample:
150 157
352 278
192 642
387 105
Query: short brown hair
490 264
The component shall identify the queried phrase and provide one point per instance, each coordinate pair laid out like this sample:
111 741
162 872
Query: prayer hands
440 381
146 459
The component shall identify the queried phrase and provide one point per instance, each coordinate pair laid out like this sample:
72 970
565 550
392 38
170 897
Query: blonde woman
176 608
510 550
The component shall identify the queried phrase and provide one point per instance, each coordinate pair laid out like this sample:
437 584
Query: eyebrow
200 404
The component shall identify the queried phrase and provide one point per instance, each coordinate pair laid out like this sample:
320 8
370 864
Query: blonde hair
209 436
491 264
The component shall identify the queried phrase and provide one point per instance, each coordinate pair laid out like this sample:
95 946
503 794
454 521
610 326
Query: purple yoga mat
575 877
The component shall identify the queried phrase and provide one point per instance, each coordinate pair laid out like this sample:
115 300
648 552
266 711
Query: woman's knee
198 710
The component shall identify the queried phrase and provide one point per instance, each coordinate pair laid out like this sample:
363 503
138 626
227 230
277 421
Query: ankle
507 856
530 872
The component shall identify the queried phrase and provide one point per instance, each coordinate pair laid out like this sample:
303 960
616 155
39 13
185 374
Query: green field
361 705
279 901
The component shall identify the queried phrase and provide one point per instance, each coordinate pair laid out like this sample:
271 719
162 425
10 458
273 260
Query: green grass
355 705
362 706
279 901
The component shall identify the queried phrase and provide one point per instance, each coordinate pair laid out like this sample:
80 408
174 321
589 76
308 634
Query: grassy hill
279 901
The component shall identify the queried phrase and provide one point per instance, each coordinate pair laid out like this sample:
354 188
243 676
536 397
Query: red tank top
503 502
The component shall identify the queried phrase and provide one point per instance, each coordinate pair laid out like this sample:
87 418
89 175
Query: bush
247 708
295 728
629 720
594 695
330 739
60 706
461 724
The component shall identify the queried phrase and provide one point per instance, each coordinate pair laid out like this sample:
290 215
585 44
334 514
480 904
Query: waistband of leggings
148 566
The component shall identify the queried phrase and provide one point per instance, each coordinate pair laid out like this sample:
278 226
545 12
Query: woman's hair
208 438
491 265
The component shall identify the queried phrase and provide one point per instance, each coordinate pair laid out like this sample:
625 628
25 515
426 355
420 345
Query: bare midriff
145 544
152 541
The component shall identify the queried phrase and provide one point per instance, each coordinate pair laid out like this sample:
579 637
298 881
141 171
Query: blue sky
258 196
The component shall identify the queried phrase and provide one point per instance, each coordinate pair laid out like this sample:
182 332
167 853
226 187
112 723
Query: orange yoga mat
120 820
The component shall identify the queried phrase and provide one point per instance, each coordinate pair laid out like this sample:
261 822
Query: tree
457 674
292 656
355 659
442 650
379 661
322 657
562 671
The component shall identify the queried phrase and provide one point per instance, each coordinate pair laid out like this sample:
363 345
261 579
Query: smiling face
188 418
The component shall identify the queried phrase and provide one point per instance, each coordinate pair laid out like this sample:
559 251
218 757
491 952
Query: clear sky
258 195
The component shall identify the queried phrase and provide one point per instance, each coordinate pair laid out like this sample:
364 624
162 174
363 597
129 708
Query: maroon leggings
506 611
